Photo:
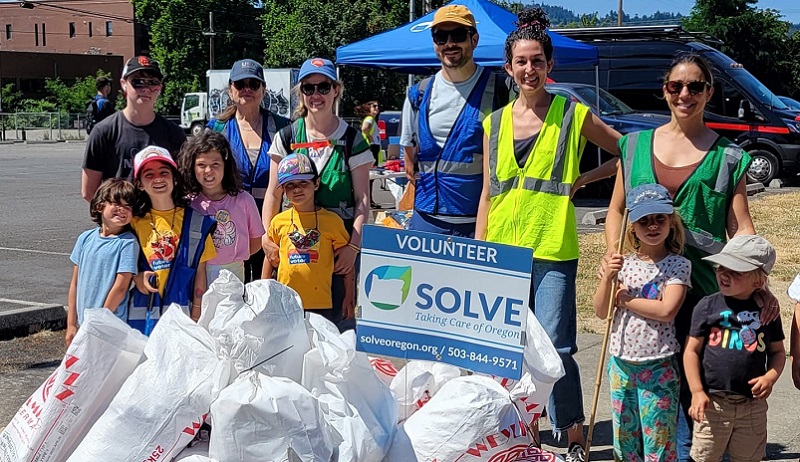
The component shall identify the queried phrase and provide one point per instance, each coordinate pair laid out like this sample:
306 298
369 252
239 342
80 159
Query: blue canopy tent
409 48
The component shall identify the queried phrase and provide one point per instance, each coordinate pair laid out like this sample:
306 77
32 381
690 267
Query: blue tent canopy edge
409 48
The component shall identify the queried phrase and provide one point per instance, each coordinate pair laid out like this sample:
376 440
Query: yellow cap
457 14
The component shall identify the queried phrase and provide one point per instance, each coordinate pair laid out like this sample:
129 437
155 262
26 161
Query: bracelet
354 247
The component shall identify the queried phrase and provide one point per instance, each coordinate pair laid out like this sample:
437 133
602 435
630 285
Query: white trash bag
61 411
417 382
195 458
384 369
162 405
471 418
542 368
198 448
353 399
262 418
253 326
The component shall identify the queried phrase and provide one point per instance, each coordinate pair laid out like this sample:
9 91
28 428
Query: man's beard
459 62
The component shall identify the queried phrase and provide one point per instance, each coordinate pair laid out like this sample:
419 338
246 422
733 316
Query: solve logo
387 287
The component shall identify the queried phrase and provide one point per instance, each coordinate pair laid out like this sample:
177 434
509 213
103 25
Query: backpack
499 99
94 114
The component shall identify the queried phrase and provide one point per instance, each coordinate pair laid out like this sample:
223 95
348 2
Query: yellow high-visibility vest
531 206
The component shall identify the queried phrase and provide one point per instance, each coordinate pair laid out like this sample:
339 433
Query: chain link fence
42 126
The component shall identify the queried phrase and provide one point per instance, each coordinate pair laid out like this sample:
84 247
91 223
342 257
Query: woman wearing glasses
705 175
341 155
249 128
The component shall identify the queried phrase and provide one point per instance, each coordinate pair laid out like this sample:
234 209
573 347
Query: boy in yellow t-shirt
308 236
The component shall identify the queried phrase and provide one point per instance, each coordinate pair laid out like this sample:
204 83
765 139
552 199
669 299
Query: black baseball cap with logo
142 63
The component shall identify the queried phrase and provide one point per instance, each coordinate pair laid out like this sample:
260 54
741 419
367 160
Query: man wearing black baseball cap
115 140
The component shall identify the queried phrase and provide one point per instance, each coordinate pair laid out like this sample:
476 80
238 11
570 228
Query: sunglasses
674 87
457 35
253 84
142 82
323 88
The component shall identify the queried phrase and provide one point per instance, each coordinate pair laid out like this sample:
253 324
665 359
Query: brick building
65 38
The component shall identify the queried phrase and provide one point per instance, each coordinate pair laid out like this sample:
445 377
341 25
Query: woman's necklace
250 128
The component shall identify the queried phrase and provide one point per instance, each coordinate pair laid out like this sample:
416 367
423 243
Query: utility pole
210 34
619 14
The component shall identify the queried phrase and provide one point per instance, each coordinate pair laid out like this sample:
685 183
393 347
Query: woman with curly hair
534 147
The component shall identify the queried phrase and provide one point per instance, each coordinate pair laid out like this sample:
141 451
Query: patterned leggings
644 401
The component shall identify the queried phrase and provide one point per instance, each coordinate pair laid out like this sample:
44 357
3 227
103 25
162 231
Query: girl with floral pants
643 369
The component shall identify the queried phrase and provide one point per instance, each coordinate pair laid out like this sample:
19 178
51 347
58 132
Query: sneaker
575 453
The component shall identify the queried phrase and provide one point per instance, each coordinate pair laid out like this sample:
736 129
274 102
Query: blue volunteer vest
180 281
255 177
451 177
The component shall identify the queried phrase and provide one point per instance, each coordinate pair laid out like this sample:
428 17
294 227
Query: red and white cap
149 154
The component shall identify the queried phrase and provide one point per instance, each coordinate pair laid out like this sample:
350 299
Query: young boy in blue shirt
105 257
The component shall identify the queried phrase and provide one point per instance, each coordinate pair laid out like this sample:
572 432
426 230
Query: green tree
756 38
177 41
9 97
75 97
299 29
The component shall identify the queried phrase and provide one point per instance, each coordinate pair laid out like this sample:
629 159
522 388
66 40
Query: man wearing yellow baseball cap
441 133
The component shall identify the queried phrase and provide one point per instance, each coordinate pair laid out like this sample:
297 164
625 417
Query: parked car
632 65
613 112
792 103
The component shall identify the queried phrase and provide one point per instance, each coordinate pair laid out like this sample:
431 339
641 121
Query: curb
755 188
595 218
31 319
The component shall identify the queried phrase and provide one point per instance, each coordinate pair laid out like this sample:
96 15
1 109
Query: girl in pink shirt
215 187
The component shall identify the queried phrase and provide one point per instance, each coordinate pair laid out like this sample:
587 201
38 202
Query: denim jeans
552 301
683 321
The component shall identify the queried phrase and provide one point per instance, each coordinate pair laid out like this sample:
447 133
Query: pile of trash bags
274 384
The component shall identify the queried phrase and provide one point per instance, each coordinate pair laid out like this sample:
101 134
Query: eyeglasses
674 87
252 84
457 35
141 83
323 88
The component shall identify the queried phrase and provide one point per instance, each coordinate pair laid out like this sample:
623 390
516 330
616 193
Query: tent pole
597 102
339 78
411 14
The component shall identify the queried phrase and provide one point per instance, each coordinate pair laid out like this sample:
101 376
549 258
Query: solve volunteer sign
443 298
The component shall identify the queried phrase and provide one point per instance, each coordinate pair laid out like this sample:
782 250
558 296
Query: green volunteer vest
703 200
335 191
530 206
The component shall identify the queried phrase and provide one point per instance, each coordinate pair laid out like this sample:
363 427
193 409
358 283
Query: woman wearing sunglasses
705 175
249 128
341 155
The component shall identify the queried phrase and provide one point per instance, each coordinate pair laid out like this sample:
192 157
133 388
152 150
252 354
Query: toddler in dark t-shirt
731 359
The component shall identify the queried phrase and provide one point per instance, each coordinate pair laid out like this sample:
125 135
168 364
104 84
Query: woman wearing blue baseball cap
340 153
249 128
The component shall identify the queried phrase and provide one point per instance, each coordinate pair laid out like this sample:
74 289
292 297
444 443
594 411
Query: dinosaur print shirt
735 343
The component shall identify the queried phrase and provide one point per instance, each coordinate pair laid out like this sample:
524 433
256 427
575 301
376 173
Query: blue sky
789 8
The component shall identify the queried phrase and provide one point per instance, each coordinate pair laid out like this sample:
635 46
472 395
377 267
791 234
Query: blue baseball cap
246 69
318 66
648 199
296 167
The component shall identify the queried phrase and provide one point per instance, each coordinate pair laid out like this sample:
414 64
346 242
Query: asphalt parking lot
42 212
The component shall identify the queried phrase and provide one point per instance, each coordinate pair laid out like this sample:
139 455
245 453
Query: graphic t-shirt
99 259
307 243
736 344
636 338
237 221
159 233
115 141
